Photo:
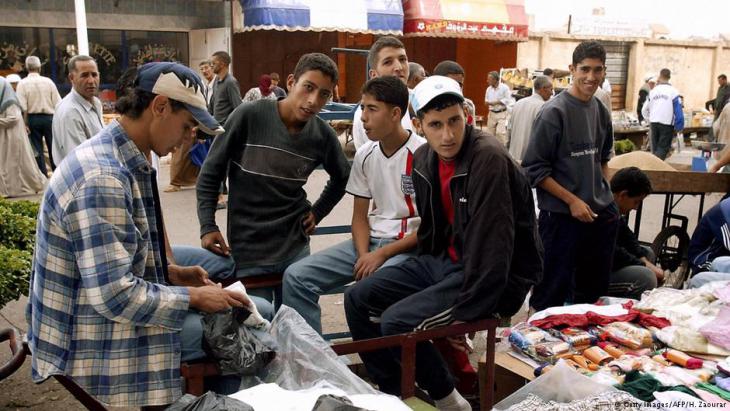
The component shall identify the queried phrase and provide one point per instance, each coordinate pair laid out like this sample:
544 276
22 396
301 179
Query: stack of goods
641 349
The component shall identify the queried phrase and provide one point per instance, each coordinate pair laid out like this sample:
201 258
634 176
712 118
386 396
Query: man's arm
360 225
338 168
234 94
211 175
578 208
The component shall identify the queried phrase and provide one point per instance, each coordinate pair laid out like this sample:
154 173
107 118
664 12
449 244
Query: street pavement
179 209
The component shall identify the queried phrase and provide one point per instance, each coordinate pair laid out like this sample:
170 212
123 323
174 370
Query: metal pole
82 37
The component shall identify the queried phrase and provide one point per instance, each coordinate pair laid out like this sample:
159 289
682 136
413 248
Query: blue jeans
271 293
720 272
217 267
324 273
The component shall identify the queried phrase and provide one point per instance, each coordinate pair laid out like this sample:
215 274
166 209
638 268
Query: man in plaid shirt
105 308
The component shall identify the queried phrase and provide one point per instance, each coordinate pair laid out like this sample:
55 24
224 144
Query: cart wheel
670 247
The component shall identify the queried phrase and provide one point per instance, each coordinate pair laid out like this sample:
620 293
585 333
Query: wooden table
510 374
636 135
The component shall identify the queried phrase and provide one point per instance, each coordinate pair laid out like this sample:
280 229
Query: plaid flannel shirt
100 311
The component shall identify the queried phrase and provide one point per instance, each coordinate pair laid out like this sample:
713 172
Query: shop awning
353 16
482 19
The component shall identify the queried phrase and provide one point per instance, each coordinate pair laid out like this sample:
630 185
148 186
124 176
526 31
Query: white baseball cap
432 87
13 78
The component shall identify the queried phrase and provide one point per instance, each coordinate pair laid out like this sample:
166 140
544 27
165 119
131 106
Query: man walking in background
38 97
663 110
498 98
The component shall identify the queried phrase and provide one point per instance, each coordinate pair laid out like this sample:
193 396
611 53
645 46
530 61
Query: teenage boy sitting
381 173
633 269
478 248
268 151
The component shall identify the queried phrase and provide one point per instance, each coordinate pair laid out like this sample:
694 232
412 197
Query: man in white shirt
498 98
206 69
523 115
663 110
387 57
79 115
383 236
38 98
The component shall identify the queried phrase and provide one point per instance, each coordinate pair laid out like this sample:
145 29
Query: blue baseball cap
180 83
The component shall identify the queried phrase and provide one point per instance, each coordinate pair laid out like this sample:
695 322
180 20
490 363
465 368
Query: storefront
481 35
121 34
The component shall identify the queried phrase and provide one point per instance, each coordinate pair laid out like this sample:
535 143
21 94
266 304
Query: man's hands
309 223
213 298
194 276
581 211
658 272
368 263
215 243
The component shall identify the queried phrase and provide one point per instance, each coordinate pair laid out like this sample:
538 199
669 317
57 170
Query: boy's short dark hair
440 103
665 73
548 72
447 67
632 180
388 89
722 77
381 43
224 57
589 50
317 61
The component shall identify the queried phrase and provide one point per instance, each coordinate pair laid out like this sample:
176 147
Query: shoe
222 205
172 188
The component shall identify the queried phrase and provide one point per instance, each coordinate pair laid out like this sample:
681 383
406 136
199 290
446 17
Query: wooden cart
671 244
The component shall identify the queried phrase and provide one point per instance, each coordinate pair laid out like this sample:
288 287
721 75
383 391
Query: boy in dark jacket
709 248
479 252
633 269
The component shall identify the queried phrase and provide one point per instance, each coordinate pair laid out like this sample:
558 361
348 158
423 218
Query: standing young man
387 57
478 249
566 159
268 151
382 174
105 308
663 110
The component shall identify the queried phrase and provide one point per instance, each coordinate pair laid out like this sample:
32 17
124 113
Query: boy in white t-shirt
385 235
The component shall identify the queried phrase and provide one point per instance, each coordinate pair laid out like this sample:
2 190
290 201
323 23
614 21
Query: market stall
626 354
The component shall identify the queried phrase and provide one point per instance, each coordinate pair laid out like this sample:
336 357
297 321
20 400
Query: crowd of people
444 227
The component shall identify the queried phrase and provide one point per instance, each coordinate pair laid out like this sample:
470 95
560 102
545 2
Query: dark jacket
711 238
628 251
495 230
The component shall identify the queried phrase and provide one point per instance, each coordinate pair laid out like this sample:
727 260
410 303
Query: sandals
172 188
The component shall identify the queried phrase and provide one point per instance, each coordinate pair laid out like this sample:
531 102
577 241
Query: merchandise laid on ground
670 350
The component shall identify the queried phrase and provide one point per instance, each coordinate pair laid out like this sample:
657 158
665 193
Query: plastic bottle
680 358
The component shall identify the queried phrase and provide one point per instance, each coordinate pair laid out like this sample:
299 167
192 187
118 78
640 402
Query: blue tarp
362 16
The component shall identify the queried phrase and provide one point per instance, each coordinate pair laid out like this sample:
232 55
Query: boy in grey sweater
566 159
268 151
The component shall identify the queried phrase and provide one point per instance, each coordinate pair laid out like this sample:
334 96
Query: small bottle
680 358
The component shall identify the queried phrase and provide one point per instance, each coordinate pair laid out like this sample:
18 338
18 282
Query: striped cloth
99 309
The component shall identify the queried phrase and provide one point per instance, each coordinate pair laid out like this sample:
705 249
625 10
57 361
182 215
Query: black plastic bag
333 403
238 349
209 402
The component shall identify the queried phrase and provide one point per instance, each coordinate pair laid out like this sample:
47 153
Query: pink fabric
717 331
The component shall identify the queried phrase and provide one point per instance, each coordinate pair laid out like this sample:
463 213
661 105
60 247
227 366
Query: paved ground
18 391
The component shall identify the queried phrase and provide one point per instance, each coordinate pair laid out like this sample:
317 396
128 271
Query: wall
163 15
262 52
695 65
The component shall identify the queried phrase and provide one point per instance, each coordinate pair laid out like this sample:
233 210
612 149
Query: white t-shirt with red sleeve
388 182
